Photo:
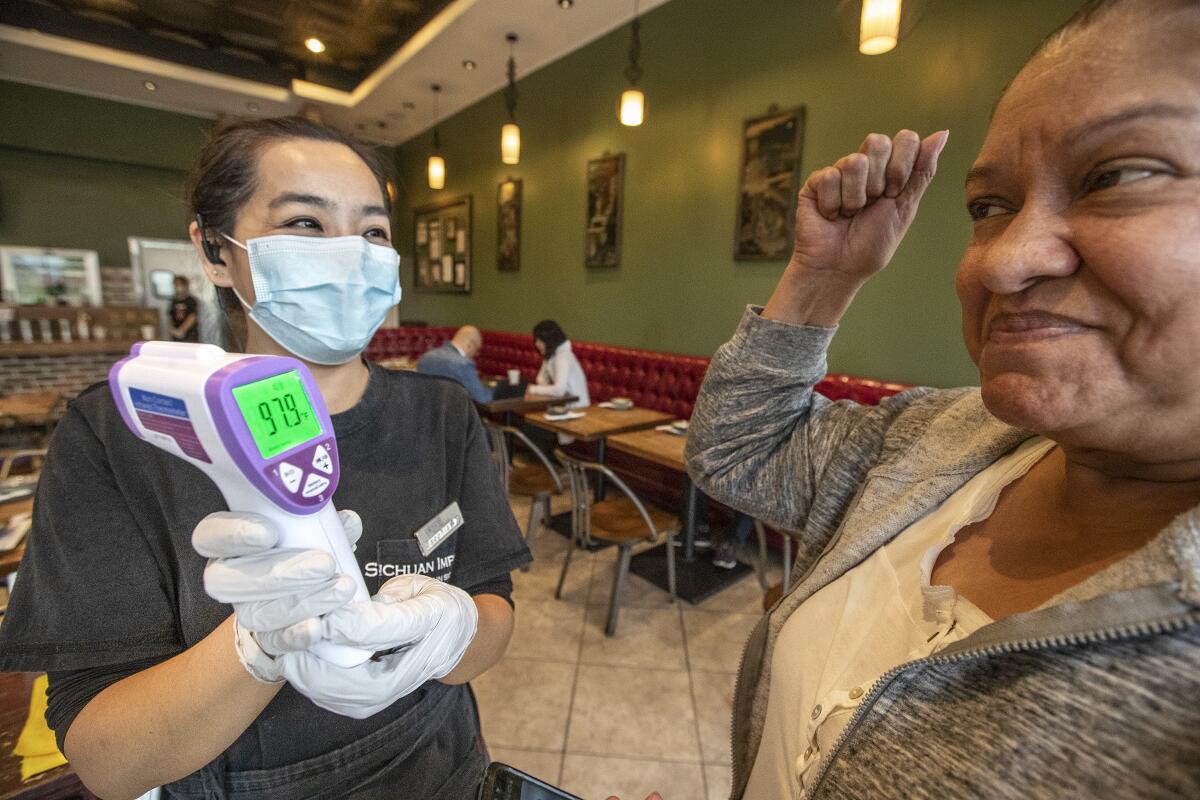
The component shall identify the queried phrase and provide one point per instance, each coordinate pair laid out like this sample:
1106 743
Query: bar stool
623 521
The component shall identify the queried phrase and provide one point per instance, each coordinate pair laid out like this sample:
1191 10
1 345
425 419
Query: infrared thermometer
258 427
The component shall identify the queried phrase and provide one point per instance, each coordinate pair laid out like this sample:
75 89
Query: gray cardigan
1095 694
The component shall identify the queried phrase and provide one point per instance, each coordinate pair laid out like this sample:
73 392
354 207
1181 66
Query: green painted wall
87 173
82 172
709 64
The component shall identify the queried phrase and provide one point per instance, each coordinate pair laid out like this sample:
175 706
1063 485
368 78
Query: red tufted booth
663 381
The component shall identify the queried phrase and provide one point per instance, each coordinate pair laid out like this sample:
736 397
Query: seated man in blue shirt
455 359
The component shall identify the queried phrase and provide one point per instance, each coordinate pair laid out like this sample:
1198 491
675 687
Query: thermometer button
290 475
322 461
315 485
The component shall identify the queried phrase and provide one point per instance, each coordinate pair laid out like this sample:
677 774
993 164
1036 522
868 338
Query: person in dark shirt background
184 313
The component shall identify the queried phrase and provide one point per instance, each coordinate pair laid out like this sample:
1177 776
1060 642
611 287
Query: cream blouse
878 615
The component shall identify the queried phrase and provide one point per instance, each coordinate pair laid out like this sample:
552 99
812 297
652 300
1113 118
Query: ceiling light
879 27
151 86
565 3
632 108
468 64
437 172
314 44
510 134
437 164
510 143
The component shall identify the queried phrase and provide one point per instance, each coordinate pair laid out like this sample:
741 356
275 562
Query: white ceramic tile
715 640
719 780
525 703
640 713
713 693
646 637
598 777
547 629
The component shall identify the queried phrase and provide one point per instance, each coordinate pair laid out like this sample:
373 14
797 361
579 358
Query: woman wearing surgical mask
176 633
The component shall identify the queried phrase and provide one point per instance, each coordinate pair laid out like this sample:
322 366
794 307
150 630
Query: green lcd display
278 413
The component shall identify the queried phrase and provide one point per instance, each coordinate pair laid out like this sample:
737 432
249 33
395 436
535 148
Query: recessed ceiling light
468 64
565 3
150 86
314 44
252 106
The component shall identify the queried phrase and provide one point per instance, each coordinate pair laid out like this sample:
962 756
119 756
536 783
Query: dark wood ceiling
255 39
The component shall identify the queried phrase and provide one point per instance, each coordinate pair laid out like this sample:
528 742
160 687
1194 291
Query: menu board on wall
442 246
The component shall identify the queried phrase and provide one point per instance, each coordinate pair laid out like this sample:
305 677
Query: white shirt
562 374
879 615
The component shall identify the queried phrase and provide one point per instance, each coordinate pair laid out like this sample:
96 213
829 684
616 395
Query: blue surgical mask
321 299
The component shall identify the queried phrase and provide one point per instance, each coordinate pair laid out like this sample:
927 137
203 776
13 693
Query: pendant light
632 109
437 164
510 134
879 26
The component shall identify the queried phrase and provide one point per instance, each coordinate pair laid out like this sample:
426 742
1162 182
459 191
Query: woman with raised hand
998 588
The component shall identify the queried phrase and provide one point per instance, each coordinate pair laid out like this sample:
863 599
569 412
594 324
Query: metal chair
772 595
762 553
538 481
623 521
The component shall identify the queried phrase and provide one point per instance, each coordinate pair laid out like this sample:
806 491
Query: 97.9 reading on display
286 406
278 413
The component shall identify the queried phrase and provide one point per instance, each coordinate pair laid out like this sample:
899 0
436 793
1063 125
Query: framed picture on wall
770 179
442 246
508 226
605 190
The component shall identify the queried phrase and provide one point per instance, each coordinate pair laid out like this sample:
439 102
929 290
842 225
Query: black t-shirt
180 311
110 584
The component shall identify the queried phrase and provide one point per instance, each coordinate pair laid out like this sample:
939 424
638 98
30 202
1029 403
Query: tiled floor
647 710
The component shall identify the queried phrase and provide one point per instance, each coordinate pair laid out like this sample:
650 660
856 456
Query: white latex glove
277 593
432 621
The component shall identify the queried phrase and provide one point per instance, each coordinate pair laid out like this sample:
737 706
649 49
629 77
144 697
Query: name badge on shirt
438 529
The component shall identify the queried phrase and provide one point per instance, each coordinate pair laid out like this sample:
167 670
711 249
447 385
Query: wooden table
598 424
657 446
521 405
695 579
60 783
